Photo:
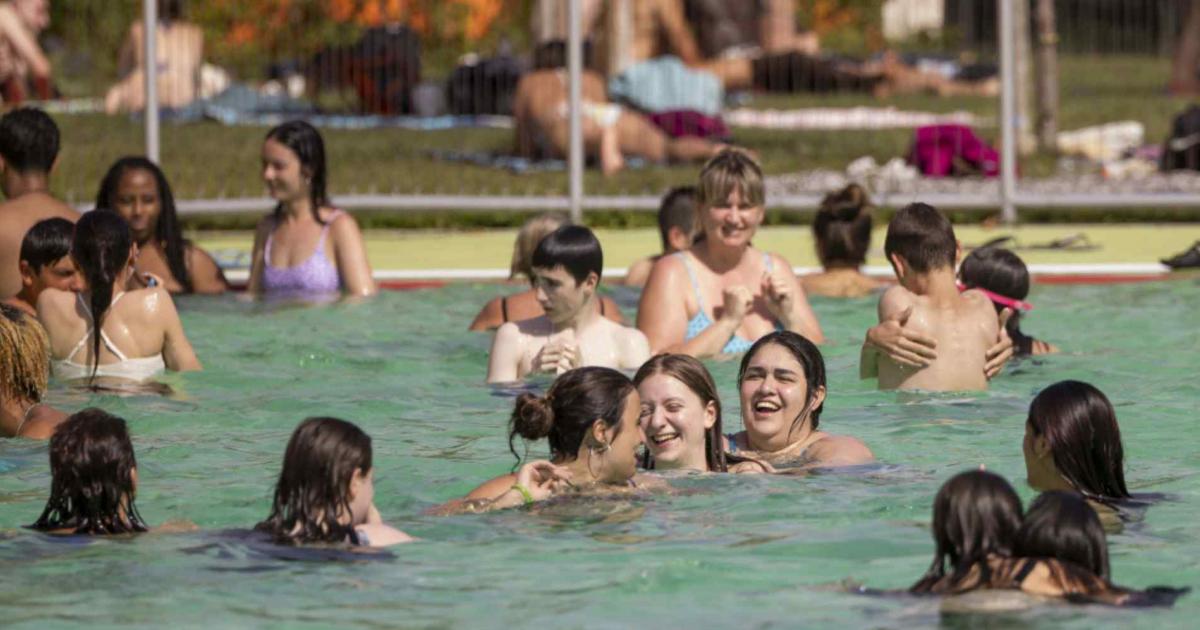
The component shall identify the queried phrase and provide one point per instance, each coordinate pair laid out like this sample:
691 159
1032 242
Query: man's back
964 328
16 217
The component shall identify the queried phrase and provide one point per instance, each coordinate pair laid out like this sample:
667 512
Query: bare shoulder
894 300
150 302
977 299
342 221
840 450
490 316
53 304
381 535
493 488
779 262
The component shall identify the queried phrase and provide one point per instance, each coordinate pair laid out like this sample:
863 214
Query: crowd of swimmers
88 300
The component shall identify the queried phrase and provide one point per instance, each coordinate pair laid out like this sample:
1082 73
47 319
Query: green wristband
524 493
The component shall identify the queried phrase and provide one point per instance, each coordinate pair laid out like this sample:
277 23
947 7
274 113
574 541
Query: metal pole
150 70
575 88
1008 113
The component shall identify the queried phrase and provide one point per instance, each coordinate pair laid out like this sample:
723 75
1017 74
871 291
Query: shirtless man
923 250
28 150
566 266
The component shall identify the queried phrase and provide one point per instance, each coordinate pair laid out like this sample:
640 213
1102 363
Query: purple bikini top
317 274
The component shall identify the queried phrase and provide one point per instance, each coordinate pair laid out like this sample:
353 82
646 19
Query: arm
207 277
1002 350
840 450
489 317
351 255
505 357
24 43
679 34
258 255
662 314
127 57
891 338
177 350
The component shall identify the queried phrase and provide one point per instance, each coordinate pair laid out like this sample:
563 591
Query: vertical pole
1008 112
575 93
150 70
1047 79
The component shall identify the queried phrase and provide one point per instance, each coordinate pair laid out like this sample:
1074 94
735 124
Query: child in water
1003 277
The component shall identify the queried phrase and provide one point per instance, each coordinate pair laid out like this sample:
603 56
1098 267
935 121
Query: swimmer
590 418
566 274
681 418
525 305
137 189
24 375
842 233
1005 278
46 262
1061 524
676 227
105 332
306 246
782 387
326 490
922 249
751 293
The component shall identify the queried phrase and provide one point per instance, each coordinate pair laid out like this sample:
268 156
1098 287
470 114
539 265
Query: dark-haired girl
681 418
1004 278
782 385
93 478
842 235
137 189
104 331
306 246
590 418
326 492
1062 525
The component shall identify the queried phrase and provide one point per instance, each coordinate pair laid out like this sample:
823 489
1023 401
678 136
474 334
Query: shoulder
778 261
53 301
841 450
896 298
667 271
976 298
340 219
150 301
380 535
493 487
489 316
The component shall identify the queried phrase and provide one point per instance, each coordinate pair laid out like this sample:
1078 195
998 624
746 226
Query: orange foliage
826 16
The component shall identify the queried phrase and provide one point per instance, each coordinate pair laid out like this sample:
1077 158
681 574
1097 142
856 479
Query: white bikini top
139 369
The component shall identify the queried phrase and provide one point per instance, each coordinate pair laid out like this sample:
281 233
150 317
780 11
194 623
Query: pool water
744 551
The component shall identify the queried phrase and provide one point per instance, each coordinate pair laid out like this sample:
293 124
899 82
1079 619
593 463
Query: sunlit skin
674 422
137 201
774 397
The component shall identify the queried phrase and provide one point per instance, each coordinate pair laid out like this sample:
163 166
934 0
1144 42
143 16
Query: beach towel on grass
952 151
679 124
665 84
515 164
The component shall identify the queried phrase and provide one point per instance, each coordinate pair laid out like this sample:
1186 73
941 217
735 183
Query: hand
905 347
780 295
542 478
558 356
1000 353
736 303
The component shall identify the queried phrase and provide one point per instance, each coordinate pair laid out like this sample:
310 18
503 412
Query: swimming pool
732 551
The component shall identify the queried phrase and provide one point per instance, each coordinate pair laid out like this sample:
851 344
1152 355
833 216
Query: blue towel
664 84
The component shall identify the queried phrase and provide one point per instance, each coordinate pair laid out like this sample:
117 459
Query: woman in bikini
306 246
106 333
750 293
24 372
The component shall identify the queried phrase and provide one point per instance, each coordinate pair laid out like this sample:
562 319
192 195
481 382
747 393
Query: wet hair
531 233
575 248
677 210
923 236
100 248
564 416
1061 525
842 227
91 466
1080 426
807 354
975 514
47 242
28 140
24 356
692 373
1004 273
168 231
313 490
305 141
729 170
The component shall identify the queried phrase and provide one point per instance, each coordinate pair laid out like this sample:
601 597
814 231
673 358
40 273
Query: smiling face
282 172
137 201
674 421
732 223
621 461
559 295
774 396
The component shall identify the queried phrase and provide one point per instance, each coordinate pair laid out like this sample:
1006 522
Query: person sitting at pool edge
566 268
921 246
24 375
676 227
781 383
524 305
46 262
842 235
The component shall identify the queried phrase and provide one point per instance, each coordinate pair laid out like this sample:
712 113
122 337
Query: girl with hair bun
589 416
842 235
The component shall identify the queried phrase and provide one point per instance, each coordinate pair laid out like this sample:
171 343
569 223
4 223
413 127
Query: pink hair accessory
1019 305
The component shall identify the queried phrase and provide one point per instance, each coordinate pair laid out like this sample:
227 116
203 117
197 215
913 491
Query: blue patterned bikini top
702 321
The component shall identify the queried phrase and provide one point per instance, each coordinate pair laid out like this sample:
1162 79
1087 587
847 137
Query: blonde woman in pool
24 372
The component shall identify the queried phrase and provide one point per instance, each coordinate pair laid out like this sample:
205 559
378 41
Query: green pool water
728 551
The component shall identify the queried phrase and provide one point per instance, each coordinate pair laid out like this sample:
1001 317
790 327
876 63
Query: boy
676 226
921 246
45 263
566 272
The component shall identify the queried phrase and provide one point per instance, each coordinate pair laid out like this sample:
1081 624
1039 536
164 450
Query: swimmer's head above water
782 386
842 228
1061 525
103 252
731 196
920 239
293 166
137 190
567 264
1072 442
680 415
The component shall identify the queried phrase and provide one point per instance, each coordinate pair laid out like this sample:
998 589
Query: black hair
806 353
91 466
1080 426
975 514
168 232
170 10
305 141
1004 273
574 247
678 210
691 372
923 236
48 241
842 227
312 494
564 416
1061 525
28 140
100 248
